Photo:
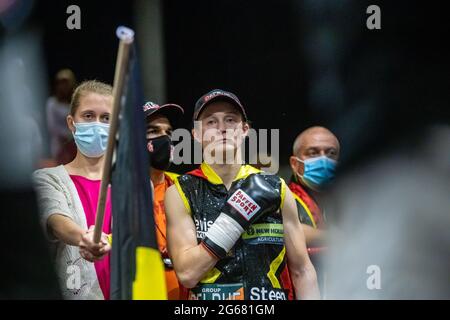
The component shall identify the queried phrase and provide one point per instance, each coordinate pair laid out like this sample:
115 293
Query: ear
296 166
197 135
70 121
245 129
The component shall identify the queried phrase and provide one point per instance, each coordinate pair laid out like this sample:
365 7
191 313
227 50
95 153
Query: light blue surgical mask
91 138
318 172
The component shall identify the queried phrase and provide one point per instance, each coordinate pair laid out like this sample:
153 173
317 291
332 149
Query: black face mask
161 150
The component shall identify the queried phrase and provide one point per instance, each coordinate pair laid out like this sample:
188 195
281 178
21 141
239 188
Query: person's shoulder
49 173
186 179
171 176
271 176
191 175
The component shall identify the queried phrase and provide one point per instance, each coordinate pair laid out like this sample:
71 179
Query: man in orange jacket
161 121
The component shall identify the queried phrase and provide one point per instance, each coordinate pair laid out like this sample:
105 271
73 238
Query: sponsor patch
202 227
233 291
264 233
267 294
245 205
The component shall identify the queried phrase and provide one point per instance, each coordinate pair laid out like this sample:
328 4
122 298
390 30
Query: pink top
88 191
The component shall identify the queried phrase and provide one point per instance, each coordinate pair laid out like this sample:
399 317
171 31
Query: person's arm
65 229
301 269
191 261
57 219
314 237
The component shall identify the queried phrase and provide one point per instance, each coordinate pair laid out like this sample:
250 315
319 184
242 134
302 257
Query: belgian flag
137 270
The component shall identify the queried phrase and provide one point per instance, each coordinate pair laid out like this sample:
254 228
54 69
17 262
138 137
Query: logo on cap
215 94
150 106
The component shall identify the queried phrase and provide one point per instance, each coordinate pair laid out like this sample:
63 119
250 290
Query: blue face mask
91 138
318 172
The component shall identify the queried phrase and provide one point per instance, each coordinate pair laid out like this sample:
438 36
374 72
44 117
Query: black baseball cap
217 95
172 111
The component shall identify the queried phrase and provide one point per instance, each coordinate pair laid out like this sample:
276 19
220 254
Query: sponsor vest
256 267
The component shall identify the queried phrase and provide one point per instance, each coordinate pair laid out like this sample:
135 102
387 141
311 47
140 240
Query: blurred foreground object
26 268
394 216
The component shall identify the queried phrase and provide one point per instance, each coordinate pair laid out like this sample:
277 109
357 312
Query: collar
206 172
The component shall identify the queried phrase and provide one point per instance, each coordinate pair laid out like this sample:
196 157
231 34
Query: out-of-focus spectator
62 146
315 154
313 162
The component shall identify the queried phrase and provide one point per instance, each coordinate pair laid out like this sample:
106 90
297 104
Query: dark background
292 63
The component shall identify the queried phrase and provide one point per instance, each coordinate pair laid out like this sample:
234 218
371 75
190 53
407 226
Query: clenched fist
93 251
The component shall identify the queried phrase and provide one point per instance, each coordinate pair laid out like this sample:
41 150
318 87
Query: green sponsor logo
264 230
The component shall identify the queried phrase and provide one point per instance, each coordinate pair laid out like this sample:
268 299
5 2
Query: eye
105 118
88 116
230 120
312 153
332 154
210 122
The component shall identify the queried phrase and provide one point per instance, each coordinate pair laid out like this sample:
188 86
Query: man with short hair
161 120
233 231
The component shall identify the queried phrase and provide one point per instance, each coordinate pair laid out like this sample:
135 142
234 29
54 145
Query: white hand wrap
224 232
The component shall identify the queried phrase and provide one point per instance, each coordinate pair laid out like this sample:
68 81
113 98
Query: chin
219 152
225 147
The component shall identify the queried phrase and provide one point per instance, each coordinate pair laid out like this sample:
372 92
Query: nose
221 127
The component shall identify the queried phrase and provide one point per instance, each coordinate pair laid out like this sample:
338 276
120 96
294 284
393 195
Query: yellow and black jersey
256 268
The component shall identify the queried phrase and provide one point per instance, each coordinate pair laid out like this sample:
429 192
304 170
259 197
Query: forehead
95 102
62 80
319 139
158 120
217 108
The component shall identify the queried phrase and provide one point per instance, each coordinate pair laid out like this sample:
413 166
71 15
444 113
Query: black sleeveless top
255 267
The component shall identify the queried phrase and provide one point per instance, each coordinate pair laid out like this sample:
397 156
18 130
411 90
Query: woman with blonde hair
68 196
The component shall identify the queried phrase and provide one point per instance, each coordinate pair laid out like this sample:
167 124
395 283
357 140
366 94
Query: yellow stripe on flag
150 281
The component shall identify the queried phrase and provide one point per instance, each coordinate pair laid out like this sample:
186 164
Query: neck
310 191
91 168
227 172
157 176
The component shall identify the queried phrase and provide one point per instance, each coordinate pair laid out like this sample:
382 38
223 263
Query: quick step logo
245 205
